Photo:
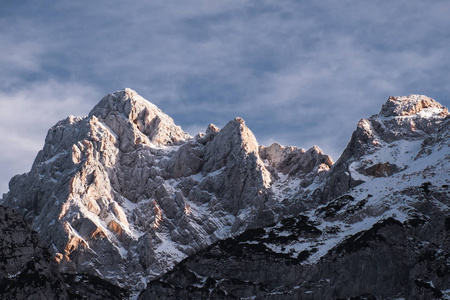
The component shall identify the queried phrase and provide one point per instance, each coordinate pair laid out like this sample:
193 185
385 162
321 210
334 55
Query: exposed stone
125 179
27 270
390 259
381 169
410 118
410 105
381 233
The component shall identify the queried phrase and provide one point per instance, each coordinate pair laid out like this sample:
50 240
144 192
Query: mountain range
124 204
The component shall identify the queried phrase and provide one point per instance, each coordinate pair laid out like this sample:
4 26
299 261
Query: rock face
368 265
388 238
125 194
377 142
27 269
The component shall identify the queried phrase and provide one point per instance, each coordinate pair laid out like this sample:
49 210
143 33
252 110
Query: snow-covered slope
382 231
125 194
382 139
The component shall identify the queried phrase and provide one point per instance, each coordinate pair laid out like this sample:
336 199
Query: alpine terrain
123 203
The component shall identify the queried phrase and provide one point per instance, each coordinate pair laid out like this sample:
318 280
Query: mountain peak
402 120
127 108
121 102
235 137
412 105
242 135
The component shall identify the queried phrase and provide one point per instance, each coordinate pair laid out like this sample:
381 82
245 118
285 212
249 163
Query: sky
300 73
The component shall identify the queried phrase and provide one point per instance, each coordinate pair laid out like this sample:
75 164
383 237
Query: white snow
383 203
199 177
128 205
168 251
429 112
286 186
123 252
55 157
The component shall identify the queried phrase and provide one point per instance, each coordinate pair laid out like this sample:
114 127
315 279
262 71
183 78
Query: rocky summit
124 201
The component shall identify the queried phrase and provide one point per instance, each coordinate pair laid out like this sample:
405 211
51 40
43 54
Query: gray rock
410 118
389 260
383 234
27 269
125 194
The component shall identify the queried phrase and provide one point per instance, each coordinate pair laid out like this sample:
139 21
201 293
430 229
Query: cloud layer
299 72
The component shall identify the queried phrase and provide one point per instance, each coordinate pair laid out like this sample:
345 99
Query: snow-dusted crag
383 144
382 231
125 194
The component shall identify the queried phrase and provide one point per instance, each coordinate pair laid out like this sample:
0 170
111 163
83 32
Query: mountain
124 194
124 197
382 232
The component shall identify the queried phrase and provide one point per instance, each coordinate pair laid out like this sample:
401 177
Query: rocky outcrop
295 161
27 269
408 119
410 105
125 194
127 110
381 170
85 286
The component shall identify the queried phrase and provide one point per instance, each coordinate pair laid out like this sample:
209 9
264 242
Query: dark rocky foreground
27 270
390 260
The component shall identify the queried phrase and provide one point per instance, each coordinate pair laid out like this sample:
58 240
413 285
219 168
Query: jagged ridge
386 238
125 194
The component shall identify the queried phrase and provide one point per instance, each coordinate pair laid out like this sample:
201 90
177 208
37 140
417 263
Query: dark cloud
299 72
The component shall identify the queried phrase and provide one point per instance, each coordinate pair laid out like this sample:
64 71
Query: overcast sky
301 73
